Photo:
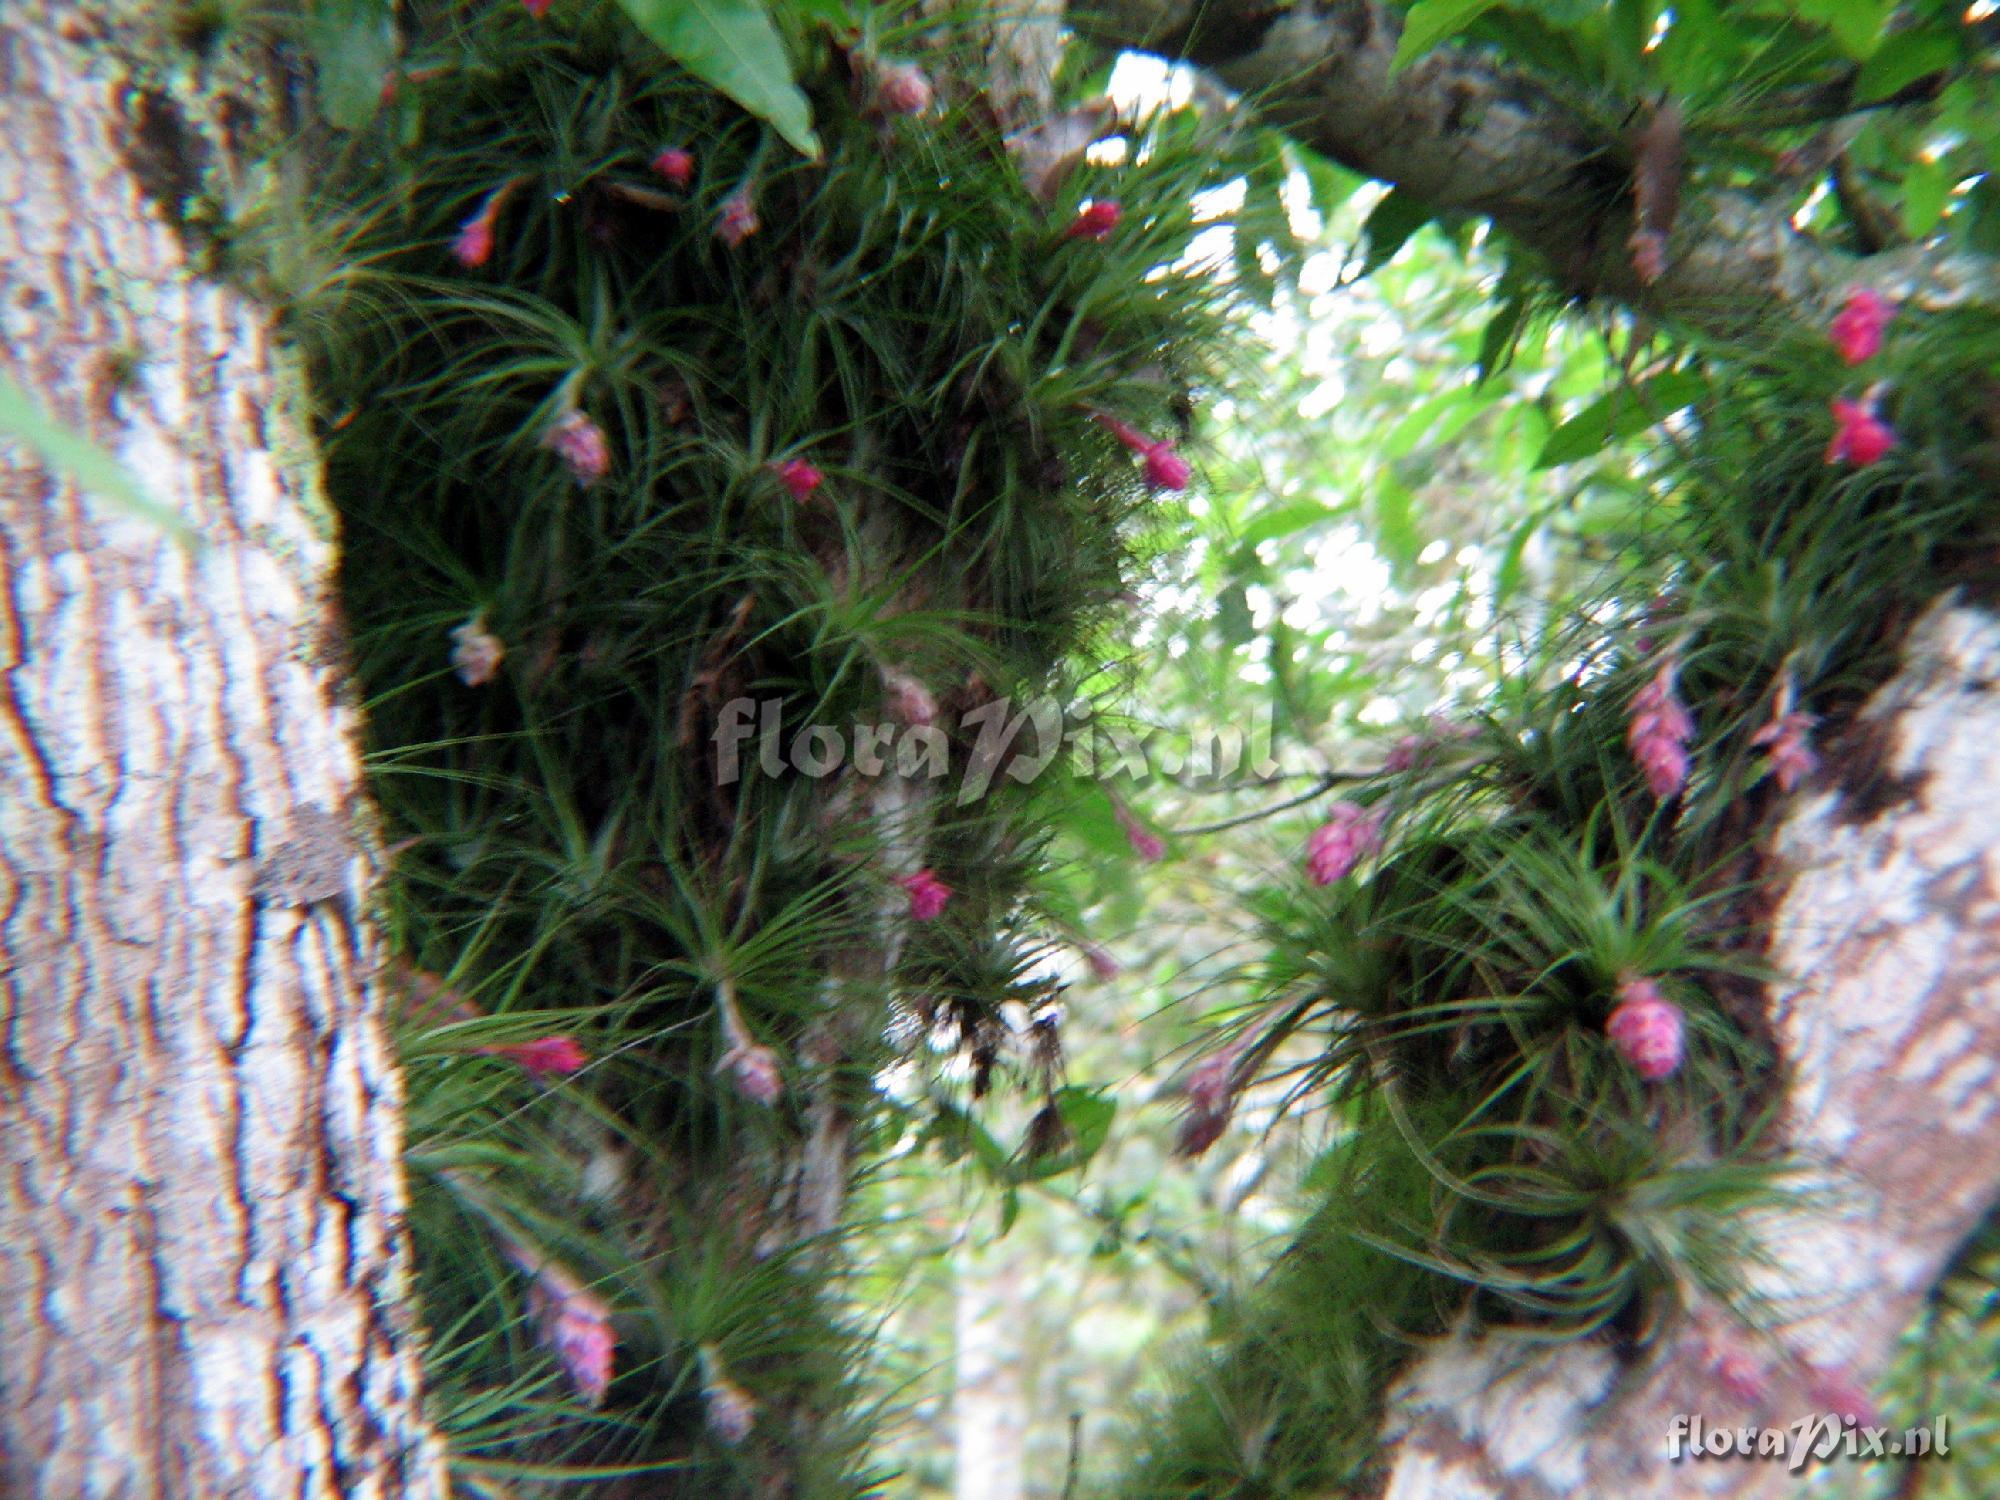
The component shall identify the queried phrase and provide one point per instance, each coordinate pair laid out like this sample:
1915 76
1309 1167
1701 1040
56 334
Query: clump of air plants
593 408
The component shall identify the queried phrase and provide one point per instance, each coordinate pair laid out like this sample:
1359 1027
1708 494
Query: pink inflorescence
581 445
1145 843
756 1071
730 1411
1165 469
798 477
1659 732
536 8
738 219
907 698
544 1057
1791 754
1647 1028
1349 834
1095 221
1857 327
473 245
928 894
576 1324
903 89
1860 436
675 165
476 653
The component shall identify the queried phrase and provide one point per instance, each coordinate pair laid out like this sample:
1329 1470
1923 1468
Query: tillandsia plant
1522 964
671 464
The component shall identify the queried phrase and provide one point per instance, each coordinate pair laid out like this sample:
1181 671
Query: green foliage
1446 1005
569 858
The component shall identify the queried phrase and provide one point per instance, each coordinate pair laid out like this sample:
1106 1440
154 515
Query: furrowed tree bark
1467 134
200 1187
1888 938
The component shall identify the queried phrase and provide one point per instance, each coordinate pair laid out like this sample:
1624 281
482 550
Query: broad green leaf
1087 1115
733 46
1856 24
1396 521
71 453
1284 520
353 44
1621 413
1390 225
1926 188
1430 22
1902 60
1496 344
1435 422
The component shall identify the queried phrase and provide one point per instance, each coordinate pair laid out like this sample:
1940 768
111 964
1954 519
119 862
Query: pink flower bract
798 476
731 1414
1102 964
1647 1028
1351 833
473 245
1166 469
738 220
907 698
536 8
928 894
1860 436
476 653
544 1057
675 166
1791 755
903 89
581 445
1659 732
1096 221
758 1076
1857 327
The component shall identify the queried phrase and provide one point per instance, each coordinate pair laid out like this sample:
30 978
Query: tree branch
1468 134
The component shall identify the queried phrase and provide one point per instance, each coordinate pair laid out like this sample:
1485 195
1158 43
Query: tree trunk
201 1260
1889 1017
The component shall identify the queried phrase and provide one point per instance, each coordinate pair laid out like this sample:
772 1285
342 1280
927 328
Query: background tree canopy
1091 730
